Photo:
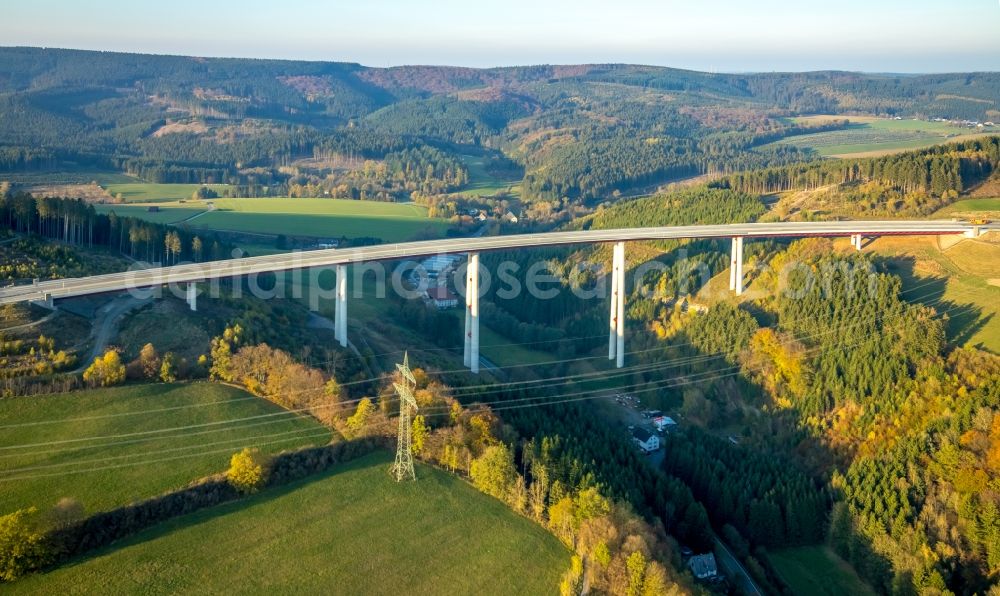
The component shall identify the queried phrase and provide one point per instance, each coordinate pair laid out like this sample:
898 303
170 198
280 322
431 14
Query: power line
504 405
150 462
239 440
121 414
150 438
499 387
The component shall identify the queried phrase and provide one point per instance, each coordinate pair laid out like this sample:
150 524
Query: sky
710 35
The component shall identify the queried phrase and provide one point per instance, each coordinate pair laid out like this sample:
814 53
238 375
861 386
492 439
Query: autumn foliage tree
22 546
105 371
247 471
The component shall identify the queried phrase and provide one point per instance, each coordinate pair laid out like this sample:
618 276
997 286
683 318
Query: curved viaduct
47 291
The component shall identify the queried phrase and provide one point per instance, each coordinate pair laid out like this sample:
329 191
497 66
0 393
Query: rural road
105 325
734 570
728 563
31 324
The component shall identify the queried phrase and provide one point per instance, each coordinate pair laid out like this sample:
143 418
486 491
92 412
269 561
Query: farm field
868 136
322 218
95 445
352 530
816 570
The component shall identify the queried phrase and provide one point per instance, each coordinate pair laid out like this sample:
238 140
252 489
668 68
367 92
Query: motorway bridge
191 273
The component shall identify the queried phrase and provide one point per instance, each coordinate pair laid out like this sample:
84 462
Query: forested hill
914 183
579 133
340 89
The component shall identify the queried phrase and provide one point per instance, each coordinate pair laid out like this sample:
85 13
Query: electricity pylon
402 469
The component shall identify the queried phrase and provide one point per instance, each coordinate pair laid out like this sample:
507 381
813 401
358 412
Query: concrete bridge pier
856 241
470 353
192 296
736 266
616 333
340 307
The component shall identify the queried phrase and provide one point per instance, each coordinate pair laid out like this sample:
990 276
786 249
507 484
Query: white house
646 440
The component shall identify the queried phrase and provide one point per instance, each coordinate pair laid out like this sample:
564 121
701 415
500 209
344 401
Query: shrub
65 513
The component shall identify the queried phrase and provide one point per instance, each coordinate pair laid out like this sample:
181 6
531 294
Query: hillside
276 128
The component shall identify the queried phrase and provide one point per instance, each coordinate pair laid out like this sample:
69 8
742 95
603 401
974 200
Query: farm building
438 264
663 423
703 566
441 297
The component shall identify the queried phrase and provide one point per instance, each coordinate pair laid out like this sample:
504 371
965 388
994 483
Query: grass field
482 183
505 352
95 446
321 218
867 136
963 279
989 208
351 531
146 192
168 213
816 570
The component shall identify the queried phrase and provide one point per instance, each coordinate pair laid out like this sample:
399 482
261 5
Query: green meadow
868 136
109 447
817 571
482 183
352 530
321 218
144 192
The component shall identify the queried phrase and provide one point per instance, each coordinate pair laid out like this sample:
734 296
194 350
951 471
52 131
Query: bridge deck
322 258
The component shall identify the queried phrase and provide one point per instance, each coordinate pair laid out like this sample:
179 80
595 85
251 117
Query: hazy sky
720 35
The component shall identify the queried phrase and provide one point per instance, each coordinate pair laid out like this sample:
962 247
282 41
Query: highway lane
113 282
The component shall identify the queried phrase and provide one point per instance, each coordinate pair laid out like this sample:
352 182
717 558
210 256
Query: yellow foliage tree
993 452
572 580
779 361
420 433
361 415
636 565
22 547
562 520
105 371
247 471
